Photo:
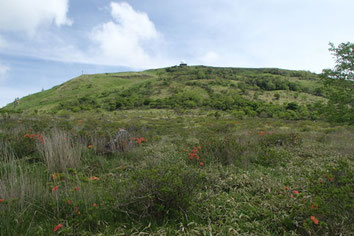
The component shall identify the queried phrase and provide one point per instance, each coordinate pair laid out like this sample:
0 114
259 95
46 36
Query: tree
344 68
339 83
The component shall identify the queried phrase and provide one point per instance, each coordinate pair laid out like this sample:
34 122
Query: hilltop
253 92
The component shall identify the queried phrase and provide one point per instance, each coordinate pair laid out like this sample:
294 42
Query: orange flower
315 220
262 133
94 178
2 200
58 227
90 146
55 175
286 188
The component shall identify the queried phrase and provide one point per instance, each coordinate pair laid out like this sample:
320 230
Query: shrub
161 189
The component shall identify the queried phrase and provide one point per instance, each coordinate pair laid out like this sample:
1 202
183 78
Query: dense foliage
339 82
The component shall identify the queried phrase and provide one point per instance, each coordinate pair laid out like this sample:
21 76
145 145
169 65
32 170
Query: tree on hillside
339 82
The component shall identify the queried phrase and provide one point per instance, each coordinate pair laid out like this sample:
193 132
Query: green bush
163 189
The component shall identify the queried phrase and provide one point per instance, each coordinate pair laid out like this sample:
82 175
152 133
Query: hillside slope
242 89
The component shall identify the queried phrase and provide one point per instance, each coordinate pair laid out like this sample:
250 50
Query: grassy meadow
196 172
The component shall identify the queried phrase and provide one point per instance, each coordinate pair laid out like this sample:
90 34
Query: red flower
77 188
286 188
315 220
55 188
262 133
202 164
58 227
70 202
95 205
296 192
90 146
199 147
2 200
94 178
331 179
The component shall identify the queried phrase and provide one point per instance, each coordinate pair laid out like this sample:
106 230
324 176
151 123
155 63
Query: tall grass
59 151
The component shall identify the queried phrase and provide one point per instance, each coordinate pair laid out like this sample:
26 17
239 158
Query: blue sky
46 42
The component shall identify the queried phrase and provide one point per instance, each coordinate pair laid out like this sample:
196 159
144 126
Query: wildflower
55 188
2 200
286 188
95 205
55 176
77 188
199 147
331 179
296 192
262 133
70 202
198 157
315 220
202 164
58 227
90 146
94 178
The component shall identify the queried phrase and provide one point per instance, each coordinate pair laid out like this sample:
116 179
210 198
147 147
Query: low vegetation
192 173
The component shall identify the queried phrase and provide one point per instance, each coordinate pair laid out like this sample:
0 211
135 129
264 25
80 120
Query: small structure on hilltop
183 64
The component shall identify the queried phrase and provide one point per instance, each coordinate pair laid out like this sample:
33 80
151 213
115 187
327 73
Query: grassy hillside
251 92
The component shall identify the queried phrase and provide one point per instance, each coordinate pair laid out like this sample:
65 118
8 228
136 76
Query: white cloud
25 15
130 40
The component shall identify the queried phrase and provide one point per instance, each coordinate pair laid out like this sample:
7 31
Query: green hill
263 92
